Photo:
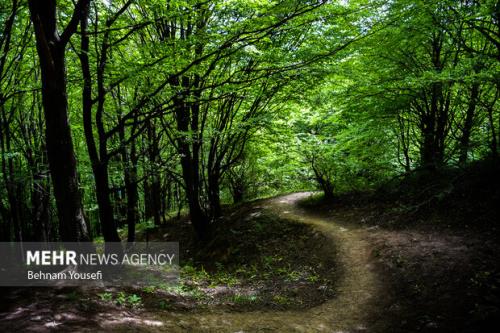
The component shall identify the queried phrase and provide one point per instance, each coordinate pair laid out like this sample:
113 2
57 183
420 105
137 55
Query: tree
51 48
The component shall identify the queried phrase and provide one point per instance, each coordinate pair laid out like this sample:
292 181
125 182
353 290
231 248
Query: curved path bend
355 308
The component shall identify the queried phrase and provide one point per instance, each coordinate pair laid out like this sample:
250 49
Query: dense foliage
115 113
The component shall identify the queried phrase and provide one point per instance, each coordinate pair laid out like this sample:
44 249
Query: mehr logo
45 258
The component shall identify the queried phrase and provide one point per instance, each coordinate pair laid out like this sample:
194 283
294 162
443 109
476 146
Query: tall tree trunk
154 176
404 142
433 124
14 221
5 47
60 152
40 207
467 126
99 160
192 184
237 186
493 141
106 217
435 113
132 193
490 109
214 193
40 192
190 175
130 178
428 146
188 147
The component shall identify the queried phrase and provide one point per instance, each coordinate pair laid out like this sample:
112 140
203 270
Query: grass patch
256 259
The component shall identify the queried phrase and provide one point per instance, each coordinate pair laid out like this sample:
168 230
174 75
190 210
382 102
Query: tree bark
132 194
434 114
129 160
467 126
40 208
99 159
493 141
190 173
214 193
154 176
60 152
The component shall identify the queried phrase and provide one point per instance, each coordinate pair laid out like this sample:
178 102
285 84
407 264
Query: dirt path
355 308
387 280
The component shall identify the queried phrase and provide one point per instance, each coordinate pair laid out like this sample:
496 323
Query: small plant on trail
134 300
121 298
149 289
189 272
106 297
244 299
281 300
313 278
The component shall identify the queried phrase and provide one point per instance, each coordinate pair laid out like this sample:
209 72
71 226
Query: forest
331 157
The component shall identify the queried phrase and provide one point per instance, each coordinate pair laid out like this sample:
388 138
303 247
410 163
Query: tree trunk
324 182
99 160
130 166
237 196
493 142
106 217
214 194
404 142
40 194
10 183
467 126
154 177
40 208
190 163
132 198
435 113
191 180
60 152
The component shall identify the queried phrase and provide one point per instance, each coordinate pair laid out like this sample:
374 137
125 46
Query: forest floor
340 271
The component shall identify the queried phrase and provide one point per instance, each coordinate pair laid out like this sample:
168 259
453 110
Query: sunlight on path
359 291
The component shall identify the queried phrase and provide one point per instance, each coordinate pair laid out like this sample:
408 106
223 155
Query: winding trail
414 281
355 309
